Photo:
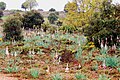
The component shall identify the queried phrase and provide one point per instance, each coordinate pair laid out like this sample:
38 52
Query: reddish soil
6 77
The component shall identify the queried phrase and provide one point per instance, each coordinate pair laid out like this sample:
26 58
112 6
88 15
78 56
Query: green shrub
80 76
78 55
67 28
2 5
34 73
57 77
52 18
12 69
1 13
45 26
52 10
12 28
118 69
112 61
104 24
32 18
59 23
99 58
103 51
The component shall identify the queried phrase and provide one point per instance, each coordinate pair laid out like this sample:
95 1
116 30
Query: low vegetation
85 45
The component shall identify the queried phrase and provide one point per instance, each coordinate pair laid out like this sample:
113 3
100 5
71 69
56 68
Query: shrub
52 29
103 51
1 13
59 23
34 73
79 76
32 18
112 61
12 28
12 69
2 5
52 18
78 55
67 28
118 69
57 77
104 25
52 10
45 26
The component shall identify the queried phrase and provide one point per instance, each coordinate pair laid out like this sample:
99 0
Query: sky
43 4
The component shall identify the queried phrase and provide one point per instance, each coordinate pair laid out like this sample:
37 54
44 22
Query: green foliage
112 61
32 18
57 77
103 77
78 55
99 58
45 26
52 18
12 69
2 6
52 10
29 4
79 12
109 61
67 28
12 28
104 24
118 69
24 5
1 13
103 51
70 6
80 76
34 73
59 23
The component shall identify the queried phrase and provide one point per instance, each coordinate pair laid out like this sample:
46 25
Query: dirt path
6 77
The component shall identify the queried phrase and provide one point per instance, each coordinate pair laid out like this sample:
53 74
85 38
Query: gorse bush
105 24
32 18
12 28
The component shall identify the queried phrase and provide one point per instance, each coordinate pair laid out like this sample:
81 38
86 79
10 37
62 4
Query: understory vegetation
83 45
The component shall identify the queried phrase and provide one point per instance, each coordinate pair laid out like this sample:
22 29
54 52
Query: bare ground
6 77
